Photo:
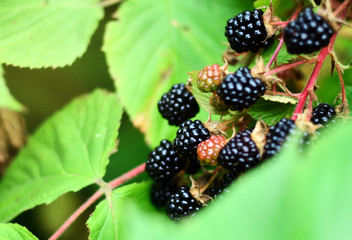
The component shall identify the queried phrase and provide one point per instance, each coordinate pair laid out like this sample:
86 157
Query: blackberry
223 185
189 135
246 32
163 162
161 192
209 78
178 105
277 135
240 153
307 34
239 90
322 114
182 204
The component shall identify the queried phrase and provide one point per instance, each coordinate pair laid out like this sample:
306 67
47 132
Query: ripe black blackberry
322 114
277 135
182 204
161 192
239 90
178 105
188 136
307 34
223 185
163 162
246 32
240 153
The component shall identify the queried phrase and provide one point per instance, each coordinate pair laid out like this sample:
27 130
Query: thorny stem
342 6
343 90
284 67
281 42
309 88
113 184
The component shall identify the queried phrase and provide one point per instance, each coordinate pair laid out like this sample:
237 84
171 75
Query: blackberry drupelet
223 185
240 153
322 114
218 103
239 90
307 34
277 135
188 136
182 204
161 192
163 162
178 105
246 32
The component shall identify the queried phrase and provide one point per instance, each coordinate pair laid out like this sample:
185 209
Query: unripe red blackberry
163 162
182 204
239 90
240 153
322 114
178 105
246 32
307 34
161 192
208 150
277 135
209 78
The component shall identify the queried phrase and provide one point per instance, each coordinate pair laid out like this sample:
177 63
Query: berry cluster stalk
309 88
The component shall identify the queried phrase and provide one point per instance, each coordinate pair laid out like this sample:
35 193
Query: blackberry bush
307 34
178 105
246 31
239 90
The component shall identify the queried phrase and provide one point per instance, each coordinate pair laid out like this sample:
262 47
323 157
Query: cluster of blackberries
309 33
235 91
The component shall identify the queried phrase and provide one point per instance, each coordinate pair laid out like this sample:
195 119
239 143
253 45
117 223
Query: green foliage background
75 70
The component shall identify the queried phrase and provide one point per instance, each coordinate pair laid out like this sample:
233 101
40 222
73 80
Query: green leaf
108 219
6 99
292 196
46 33
146 61
68 152
270 112
261 3
11 231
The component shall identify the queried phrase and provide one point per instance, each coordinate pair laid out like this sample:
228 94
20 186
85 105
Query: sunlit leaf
153 46
68 152
46 33
10 231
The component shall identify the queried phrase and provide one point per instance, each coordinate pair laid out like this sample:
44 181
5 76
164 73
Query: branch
113 184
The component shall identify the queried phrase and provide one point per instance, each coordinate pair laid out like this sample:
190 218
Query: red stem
278 48
284 67
313 77
343 91
342 6
113 184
